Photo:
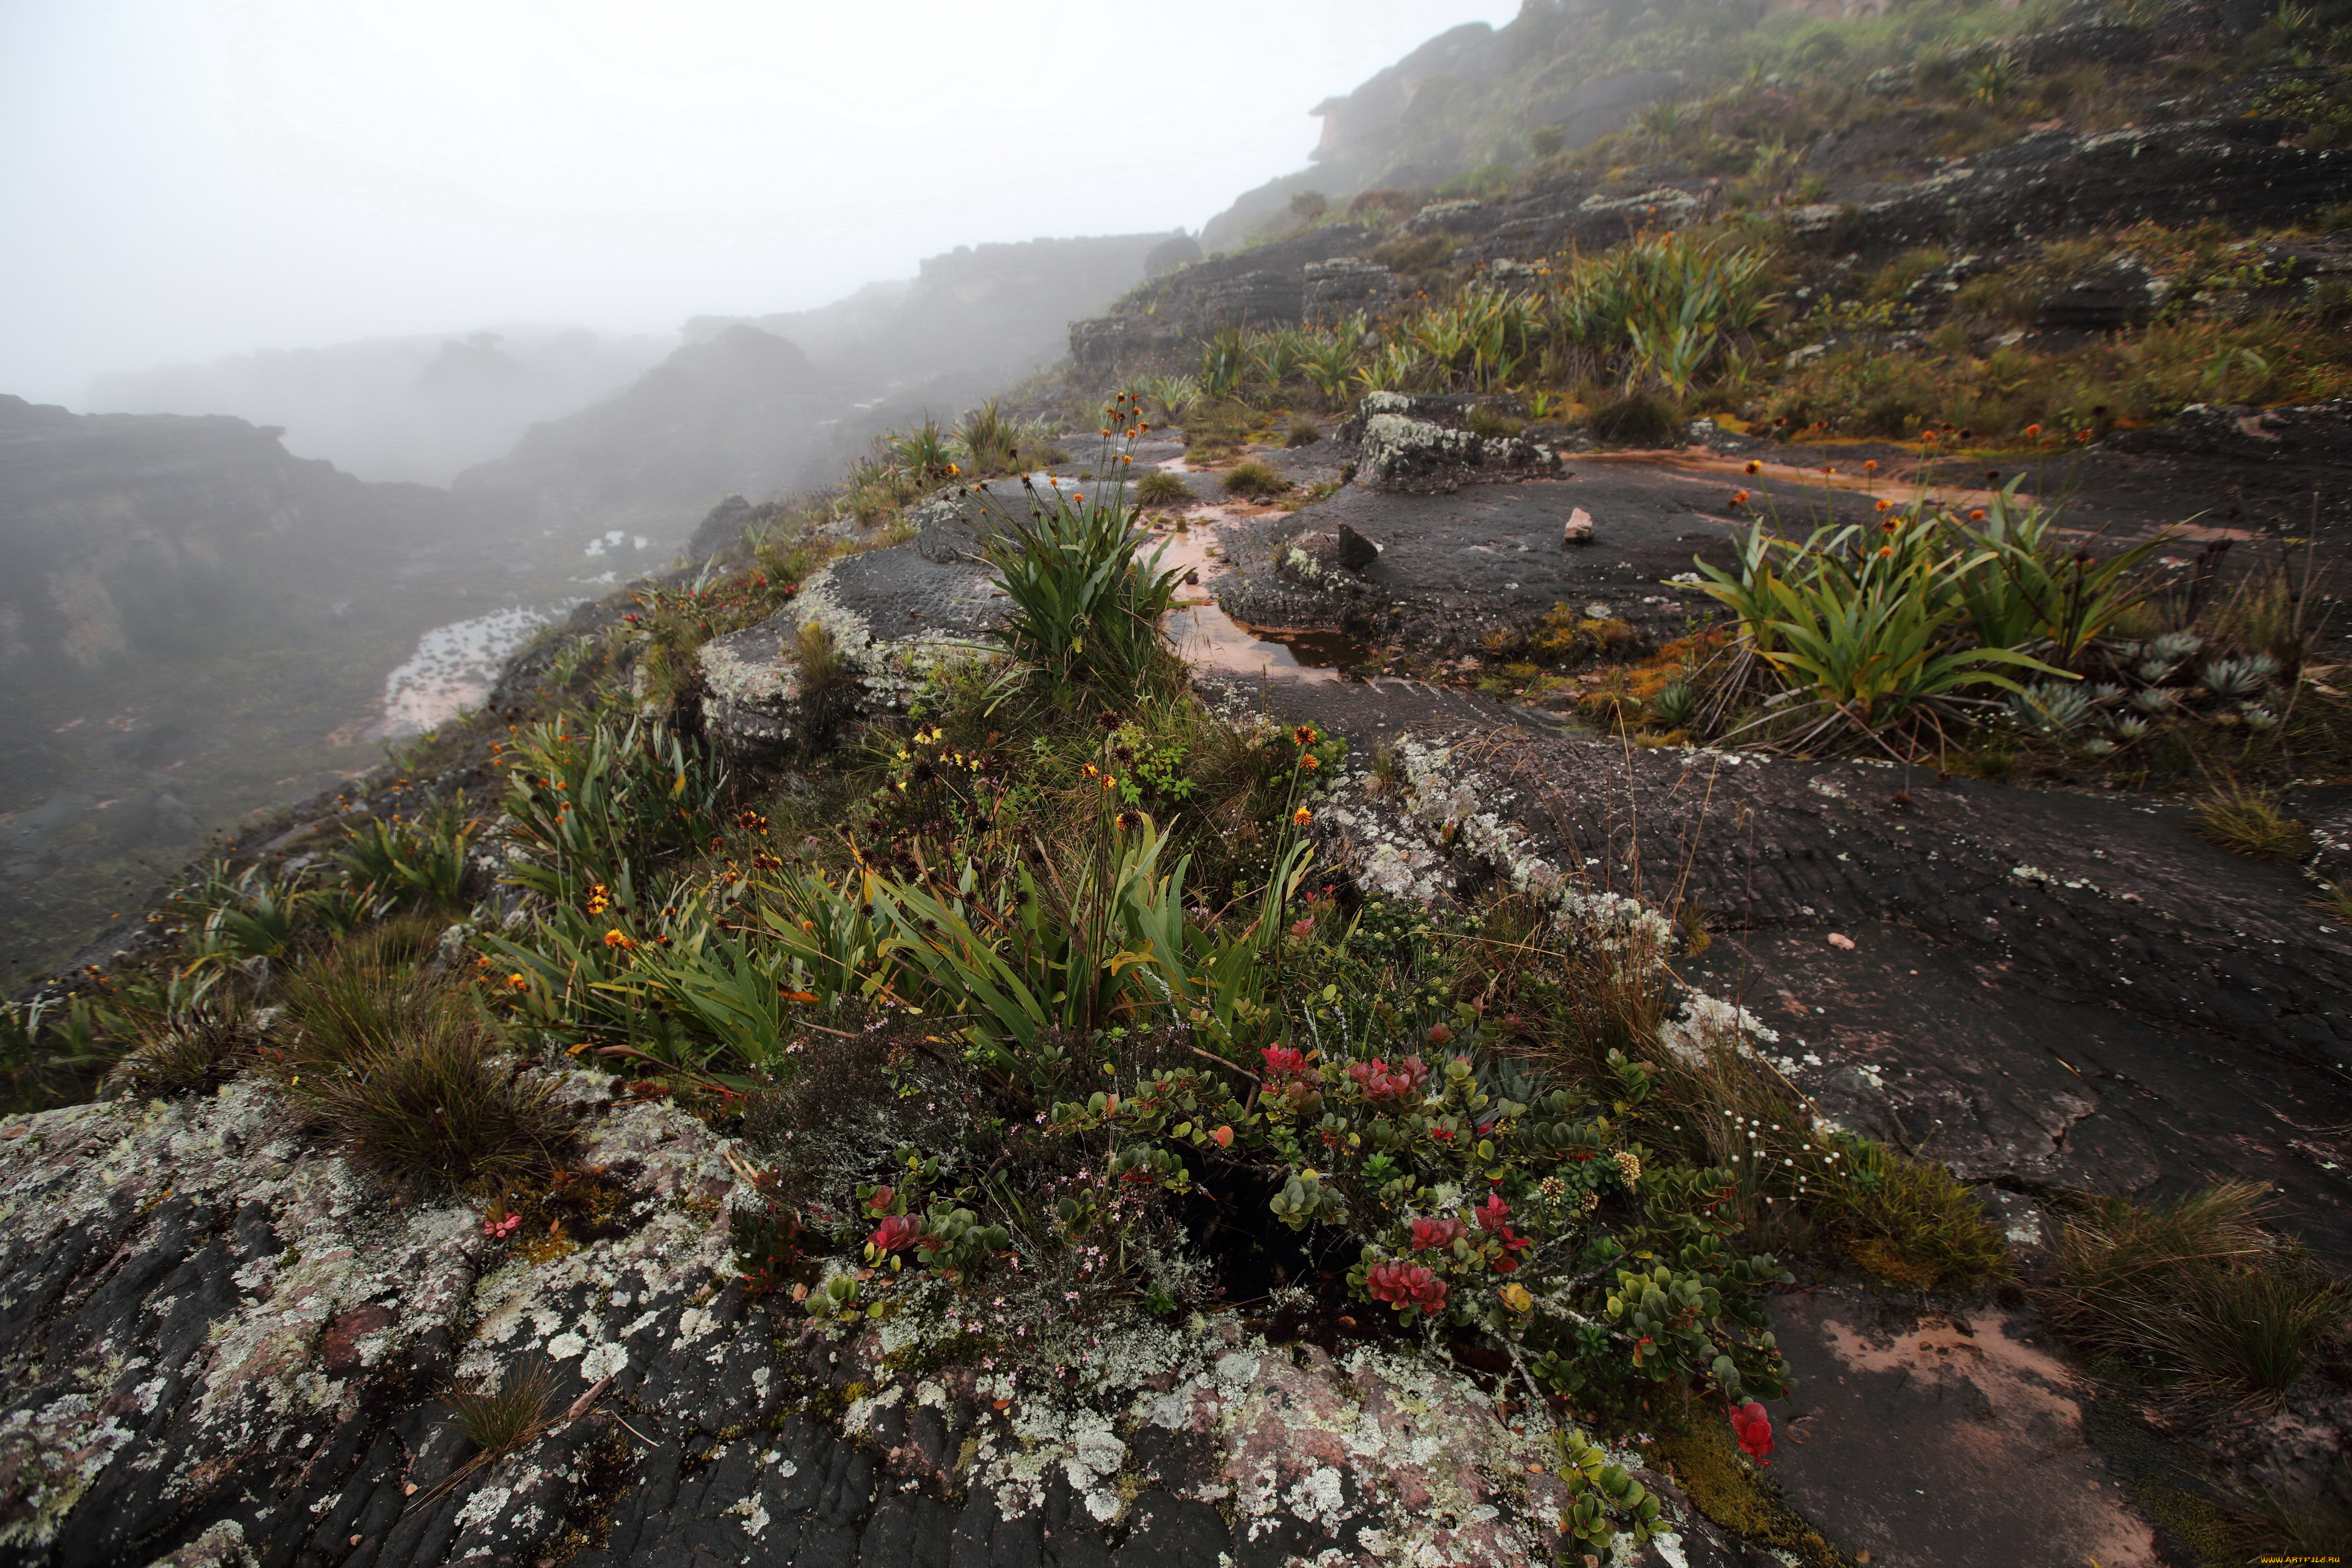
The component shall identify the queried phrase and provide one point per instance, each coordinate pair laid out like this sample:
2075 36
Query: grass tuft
193 1054
2247 821
1163 489
2197 1289
1255 481
1637 417
509 1413
436 1109
1303 432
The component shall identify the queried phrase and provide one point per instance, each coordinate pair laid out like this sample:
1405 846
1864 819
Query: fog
188 180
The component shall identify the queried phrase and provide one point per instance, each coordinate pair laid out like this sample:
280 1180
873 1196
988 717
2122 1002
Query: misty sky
185 179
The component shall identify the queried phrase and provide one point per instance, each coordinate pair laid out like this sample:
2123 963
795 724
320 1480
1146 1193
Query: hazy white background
184 179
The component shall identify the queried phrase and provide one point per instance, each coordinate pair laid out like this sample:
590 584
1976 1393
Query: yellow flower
1302 816
519 982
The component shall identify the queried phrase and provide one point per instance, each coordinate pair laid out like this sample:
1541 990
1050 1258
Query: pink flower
895 1234
1754 1429
1406 1285
499 1229
1435 1233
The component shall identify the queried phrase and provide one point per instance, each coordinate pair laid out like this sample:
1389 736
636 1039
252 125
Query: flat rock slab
1455 567
2043 989
1970 1061
1943 1442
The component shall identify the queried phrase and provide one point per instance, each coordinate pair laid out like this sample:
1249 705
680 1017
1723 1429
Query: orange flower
1304 735
616 938
1110 783
1885 551
1091 771
1754 466
803 997
1871 466
2034 432
1740 497
1977 515
1928 436
1309 764
519 982
1302 816
1885 505
953 471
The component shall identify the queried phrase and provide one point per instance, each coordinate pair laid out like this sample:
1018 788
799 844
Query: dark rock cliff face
187 614
2046 185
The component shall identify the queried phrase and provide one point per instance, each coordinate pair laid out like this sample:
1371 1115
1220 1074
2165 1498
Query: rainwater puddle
1209 639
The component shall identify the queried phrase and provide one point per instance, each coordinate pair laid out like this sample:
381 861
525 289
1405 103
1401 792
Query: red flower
1406 1285
1431 1233
1754 1430
895 1234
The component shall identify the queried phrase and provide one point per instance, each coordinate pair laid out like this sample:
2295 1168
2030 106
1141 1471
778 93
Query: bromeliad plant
1086 601
1870 628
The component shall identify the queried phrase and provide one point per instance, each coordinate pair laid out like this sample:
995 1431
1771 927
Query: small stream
1209 639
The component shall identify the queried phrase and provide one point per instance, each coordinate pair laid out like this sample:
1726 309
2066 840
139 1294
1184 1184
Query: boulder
1419 443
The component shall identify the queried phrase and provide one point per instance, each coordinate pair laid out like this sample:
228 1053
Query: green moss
1723 1485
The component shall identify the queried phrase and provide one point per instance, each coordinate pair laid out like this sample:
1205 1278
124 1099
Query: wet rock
2306 433
751 684
1951 1438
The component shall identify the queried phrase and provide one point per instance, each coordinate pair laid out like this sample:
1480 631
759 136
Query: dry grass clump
442 1109
1303 432
1255 481
1161 489
2247 821
1637 417
2197 1289
507 1414
193 1054
380 1056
